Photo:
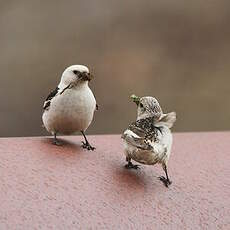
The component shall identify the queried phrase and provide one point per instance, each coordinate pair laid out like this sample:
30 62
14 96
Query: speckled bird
148 140
70 107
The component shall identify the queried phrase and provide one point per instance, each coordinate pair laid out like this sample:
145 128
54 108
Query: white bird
70 107
148 140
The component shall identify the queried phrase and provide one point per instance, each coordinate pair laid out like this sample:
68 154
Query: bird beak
135 99
87 77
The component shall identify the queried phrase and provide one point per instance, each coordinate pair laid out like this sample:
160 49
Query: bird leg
130 165
86 144
56 141
166 180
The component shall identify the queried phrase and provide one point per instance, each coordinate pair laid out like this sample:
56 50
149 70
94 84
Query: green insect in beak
135 99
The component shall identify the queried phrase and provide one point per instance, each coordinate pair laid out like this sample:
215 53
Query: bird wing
158 148
49 98
145 128
134 140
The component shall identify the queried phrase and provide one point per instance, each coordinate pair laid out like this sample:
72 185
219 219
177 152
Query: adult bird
70 107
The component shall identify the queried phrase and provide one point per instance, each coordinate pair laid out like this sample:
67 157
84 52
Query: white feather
70 111
159 153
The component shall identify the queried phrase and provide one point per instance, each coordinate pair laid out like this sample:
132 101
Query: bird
70 107
148 140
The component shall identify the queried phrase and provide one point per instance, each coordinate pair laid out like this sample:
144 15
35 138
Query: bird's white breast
71 111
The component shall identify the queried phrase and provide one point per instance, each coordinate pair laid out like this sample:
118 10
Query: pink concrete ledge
49 187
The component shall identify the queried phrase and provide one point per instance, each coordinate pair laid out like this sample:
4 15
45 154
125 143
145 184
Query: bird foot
130 165
86 145
56 142
166 182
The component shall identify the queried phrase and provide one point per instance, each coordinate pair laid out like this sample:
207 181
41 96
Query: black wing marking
145 128
67 87
49 98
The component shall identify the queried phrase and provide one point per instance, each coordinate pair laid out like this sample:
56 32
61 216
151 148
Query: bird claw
56 142
132 166
87 146
165 181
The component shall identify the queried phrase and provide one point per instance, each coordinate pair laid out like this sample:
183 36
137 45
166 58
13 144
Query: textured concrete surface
43 186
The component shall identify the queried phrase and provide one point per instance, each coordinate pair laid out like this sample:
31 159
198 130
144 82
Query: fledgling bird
148 140
70 107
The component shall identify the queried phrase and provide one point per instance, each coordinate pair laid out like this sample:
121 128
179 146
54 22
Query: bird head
75 75
147 107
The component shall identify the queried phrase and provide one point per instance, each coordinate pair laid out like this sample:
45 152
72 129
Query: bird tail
168 119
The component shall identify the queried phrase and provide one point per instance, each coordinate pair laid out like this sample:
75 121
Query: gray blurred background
177 51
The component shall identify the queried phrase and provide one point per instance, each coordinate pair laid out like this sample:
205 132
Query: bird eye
75 72
141 105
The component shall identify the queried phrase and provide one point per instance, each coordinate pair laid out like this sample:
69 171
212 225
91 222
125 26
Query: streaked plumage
49 98
148 140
